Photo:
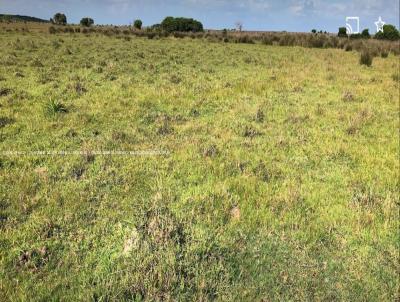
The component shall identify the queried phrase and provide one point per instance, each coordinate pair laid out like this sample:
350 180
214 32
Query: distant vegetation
138 24
87 22
59 19
390 32
19 18
171 24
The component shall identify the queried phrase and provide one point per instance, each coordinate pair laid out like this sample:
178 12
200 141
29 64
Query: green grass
280 182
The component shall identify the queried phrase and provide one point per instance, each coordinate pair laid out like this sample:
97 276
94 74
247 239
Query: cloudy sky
290 15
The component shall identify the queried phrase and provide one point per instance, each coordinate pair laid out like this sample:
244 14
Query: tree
342 32
87 22
314 31
365 34
171 24
138 24
239 25
60 19
390 32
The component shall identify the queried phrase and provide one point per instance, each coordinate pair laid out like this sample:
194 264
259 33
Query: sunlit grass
281 181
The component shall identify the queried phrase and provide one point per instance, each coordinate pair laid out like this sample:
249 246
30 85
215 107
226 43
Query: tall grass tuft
366 58
53 107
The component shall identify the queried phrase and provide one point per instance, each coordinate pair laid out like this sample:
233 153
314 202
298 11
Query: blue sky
290 15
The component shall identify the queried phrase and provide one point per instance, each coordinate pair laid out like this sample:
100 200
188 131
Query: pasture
261 173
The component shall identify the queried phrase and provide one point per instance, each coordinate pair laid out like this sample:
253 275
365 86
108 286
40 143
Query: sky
268 15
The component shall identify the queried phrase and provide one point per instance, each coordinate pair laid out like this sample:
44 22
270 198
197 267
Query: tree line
169 24
389 32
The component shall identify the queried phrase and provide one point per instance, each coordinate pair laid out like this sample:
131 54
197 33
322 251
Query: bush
244 39
342 32
87 22
366 58
348 47
138 24
267 40
356 36
287 40
171 24
390 32
317 41
52 30
365 34
151 35
384 53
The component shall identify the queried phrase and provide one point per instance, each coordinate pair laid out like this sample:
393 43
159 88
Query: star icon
379 25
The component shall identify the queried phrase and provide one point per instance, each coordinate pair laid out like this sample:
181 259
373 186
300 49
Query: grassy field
277 178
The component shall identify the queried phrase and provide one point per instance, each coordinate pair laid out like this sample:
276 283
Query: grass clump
4 121
54 107
384 53
366 58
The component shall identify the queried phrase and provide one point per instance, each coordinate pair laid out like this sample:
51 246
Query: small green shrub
366 58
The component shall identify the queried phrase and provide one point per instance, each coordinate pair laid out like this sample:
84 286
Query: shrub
348 47
179 35
390 32
138 24
384 53
87 22
366 58
355 36
52 30
267 40
342 32
316 41
287 40
365 34
151 35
